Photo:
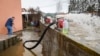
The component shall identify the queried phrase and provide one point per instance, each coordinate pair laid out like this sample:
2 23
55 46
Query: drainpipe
27 17
98 7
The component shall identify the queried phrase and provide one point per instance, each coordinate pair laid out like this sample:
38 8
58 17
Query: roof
26 13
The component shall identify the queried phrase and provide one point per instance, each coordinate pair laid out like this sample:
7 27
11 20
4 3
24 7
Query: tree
90 9
31 10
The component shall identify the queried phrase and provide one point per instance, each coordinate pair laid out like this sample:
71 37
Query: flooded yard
19 50
16 50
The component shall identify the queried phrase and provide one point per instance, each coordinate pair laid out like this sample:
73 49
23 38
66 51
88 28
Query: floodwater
16 50
19 50
85 26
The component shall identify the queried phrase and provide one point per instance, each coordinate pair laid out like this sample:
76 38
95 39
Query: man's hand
14 27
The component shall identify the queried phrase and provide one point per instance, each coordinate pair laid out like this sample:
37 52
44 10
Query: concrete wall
7 9
56 44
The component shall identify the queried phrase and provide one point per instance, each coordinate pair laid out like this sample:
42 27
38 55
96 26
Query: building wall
8 9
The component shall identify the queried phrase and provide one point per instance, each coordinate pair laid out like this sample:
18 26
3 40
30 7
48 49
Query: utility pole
59 6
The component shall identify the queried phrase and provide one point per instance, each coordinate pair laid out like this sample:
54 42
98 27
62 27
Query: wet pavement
19 50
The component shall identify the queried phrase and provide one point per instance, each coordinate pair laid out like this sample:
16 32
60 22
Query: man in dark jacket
9 25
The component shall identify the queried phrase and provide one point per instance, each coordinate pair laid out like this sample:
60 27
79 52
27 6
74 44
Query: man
9 25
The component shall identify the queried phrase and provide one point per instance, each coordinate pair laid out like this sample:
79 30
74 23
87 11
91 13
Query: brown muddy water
19 50
16 50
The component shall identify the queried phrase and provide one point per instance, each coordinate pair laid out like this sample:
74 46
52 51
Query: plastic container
48 20
60 23
65 27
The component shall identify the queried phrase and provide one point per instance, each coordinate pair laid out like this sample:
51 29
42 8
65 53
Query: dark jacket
9 22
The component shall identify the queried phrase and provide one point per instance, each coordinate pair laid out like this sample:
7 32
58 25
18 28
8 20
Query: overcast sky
45 5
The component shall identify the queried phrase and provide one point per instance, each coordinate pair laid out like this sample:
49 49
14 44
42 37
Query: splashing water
88 23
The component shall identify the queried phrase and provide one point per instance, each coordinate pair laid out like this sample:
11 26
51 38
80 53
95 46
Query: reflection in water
17 50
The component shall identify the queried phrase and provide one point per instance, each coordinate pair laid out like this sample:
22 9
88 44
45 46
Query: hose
38 41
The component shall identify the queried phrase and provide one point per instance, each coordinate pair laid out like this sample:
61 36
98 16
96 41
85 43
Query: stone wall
57 44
